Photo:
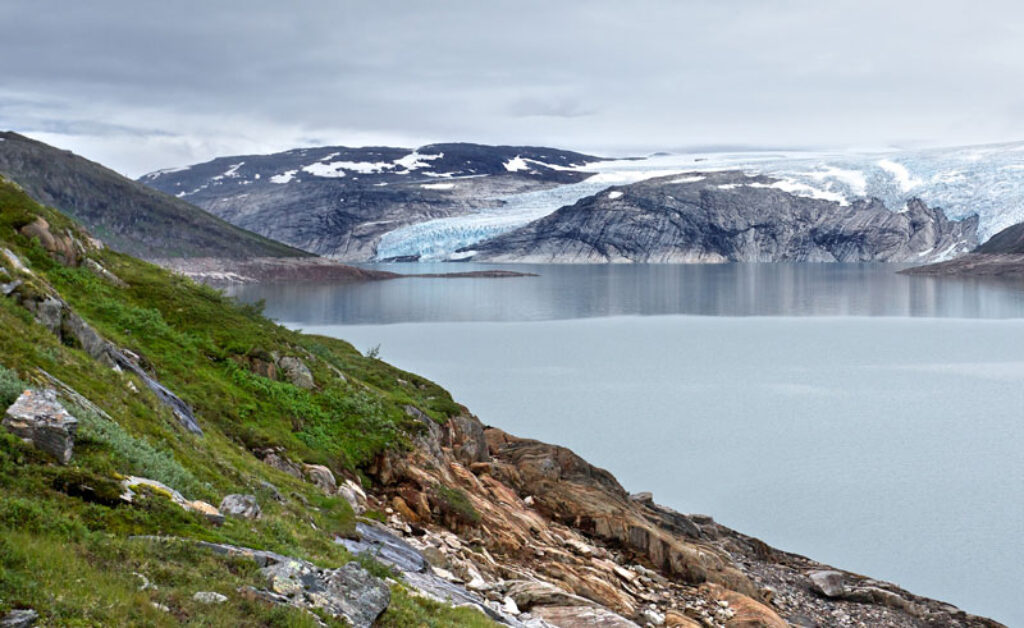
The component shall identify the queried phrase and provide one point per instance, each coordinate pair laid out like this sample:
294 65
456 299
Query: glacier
983 180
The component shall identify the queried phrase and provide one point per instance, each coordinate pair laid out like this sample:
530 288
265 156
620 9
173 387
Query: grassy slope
127 215
69 557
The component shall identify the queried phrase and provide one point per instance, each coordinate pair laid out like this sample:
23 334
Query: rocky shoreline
974 264
215 270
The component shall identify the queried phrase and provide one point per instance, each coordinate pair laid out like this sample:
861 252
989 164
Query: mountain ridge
128 216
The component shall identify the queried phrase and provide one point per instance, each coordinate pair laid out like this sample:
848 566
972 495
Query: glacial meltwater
869 420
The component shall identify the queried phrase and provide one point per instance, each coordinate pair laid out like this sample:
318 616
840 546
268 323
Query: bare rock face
240 506
38 417
296 372
730 217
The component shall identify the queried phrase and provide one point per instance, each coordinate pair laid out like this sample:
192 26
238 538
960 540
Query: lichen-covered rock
240 506
296 372
321 476
38 417
349 592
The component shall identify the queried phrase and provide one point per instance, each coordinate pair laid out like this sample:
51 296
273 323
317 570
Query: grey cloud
198 78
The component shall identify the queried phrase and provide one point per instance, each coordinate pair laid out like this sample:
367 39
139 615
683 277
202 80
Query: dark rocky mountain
129 217
1002 255
338 201
730 217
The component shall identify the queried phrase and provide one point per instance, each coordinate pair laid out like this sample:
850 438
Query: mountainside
1001 256
349 492
338 201
729 216
126 215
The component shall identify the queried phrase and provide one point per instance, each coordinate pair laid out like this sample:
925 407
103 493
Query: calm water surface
867 419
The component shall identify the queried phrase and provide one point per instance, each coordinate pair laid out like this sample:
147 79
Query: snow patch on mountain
415 160
284 177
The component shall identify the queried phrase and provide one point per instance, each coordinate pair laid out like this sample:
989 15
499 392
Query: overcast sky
140 85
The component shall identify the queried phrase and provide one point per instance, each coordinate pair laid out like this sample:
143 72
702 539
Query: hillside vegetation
66 546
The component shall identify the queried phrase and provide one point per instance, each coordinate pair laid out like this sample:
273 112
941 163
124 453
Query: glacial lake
869 420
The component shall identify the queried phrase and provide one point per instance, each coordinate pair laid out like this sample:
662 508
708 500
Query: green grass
64 547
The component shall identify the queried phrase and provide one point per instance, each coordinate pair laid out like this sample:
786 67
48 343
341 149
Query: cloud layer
142 85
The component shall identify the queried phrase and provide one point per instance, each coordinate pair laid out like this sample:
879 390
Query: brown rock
749 613
403 509
676 619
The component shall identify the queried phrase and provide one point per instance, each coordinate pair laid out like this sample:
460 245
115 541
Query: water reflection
584 291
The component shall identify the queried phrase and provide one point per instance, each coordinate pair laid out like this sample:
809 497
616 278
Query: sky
140 85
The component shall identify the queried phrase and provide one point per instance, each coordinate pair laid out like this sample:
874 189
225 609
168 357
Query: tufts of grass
10 387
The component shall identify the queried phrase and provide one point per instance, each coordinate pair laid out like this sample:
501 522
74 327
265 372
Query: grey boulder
37 417
827 583
240 507
296 372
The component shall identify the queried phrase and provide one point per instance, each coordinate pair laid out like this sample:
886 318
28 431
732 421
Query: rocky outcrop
730 217
556 539
37 417
338 201
1002 255
348 593
61 320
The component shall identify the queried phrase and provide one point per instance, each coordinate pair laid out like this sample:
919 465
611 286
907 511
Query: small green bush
141 457
10 387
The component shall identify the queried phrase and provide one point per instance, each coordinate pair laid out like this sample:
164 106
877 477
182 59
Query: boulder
19 619
209 597
296 372
321 476
240 506
827 583
38 417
